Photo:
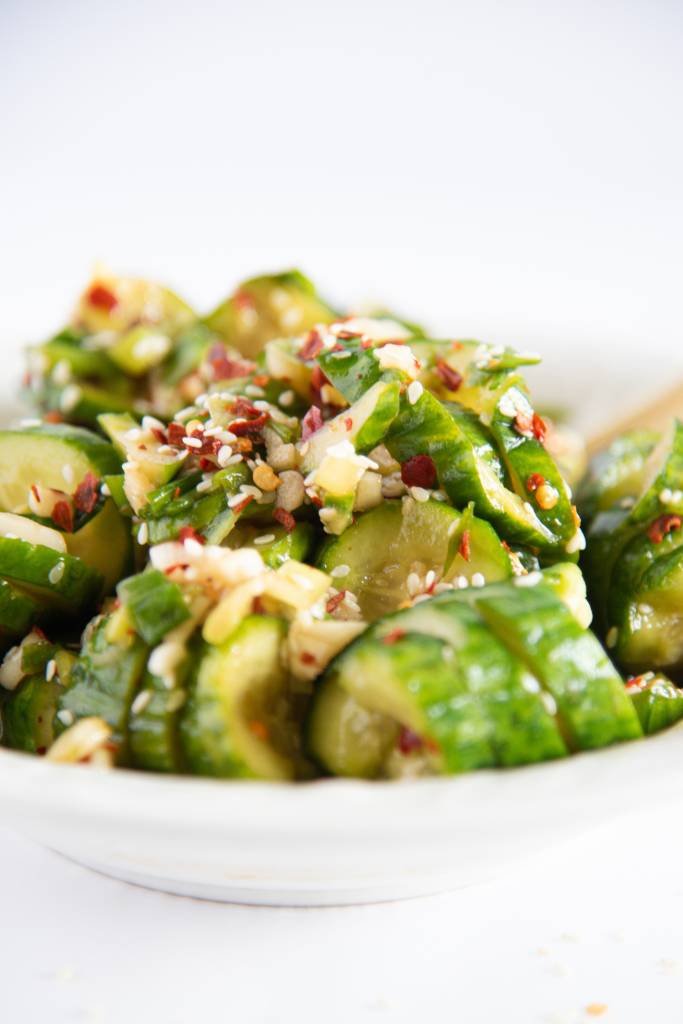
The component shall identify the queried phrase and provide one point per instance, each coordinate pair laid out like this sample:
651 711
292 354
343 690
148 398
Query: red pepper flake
189 533
169 570
102 297
367 343
176 433
348 423
41 750
53 417
658 530
318 380
419 471
210 445
534 482
86 494
345 335
524 423
334 602
539 427
259 729
450 377
63 516
392 637
243 408
465 547
307 658
206 464
261 380
312 345
285 519
35 492
159 435
225 366
255 426
243 504
456 346
635 683
176 492
409 741
311 422
242 299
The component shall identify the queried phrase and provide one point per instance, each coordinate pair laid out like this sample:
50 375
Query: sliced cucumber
657 701
154 603
122 429
237 721
375 557
650 631
569 662
467 467
59 581
616 473
268 307
296 544
155 718
18 612
28 716
104 544
51 455
365 424
112 303
104 682
208 513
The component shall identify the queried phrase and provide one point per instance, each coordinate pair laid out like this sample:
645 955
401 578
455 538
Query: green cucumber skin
522 730
18 612
615 473
208 727
209 514
444 711
154 735
658 705
104 682
650 632
29 566
154 603
525 456
569 662
297 544
99 453
430 427
28 715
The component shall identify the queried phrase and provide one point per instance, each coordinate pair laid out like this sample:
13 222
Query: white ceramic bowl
328 842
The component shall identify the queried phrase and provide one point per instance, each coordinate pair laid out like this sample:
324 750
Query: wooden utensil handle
656 415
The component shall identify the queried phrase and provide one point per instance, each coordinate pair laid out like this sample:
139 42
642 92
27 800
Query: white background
509 171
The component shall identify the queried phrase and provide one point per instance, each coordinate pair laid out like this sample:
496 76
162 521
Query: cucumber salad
285 541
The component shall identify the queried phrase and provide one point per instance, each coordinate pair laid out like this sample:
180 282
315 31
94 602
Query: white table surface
594 925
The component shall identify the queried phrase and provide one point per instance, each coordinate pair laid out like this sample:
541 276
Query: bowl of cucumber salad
304 605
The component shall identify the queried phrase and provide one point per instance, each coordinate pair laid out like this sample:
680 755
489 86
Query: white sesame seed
56 572
453 527
265 538
549 702
575 543
461 582
193 547
134 434
224 455
286 399
414 392
192 442
413 584
68 473
676 497
166 449
254 391
141 702
430 579
187 413
339 571
143 533
70 397
105 491
529 580
61 373
175 701
478 579
152 423
204 485
420 493
665 495
612 637
50 670
66 717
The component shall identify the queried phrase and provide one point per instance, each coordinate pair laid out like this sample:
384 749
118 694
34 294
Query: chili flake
465 546
394 636
226 367
285 519
408 741
450 377
312 421
86 494
313 344
334 602
658 530
419 471
102 297
189 533
534 482
63 516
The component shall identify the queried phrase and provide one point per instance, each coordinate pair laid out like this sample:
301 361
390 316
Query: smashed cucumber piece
158 468
616 473
209 513
375 557
154 724
467 467
58 581
104 543
116 303
155 604
274 543
657 701
364 424
237 720
50 455
28 715
269 307
650 631
104 682
19 611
